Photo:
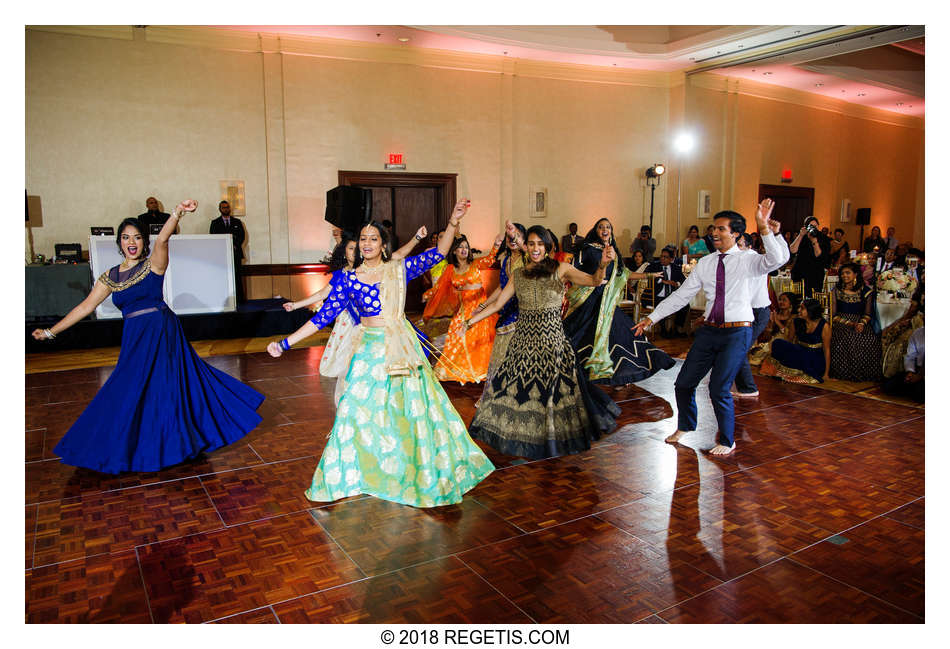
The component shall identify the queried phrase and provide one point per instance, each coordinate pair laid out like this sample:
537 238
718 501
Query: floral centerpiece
896 281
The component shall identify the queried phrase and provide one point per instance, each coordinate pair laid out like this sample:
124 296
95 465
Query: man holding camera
813 256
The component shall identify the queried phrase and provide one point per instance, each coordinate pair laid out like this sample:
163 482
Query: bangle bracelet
284 344
49 334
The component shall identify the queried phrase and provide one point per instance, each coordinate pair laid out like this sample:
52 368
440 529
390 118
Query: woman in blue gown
599 332
162 404
806 357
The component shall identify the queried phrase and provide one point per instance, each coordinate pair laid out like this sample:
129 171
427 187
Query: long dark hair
452 257
813 308
138 225
338 258
593 237
794 299
384 238
508 252
547 266
858 275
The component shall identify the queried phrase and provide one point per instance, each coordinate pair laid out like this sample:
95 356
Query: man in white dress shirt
723 341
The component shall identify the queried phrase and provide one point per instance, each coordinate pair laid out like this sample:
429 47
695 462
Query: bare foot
719 449
675 437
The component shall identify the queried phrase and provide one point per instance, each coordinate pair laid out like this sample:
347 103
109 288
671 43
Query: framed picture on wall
704 205
538 202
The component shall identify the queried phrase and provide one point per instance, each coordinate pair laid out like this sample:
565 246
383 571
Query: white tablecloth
890 310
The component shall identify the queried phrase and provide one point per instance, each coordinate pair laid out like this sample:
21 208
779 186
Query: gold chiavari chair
786 285
824 299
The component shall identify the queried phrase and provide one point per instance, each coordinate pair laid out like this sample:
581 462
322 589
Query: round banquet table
889 310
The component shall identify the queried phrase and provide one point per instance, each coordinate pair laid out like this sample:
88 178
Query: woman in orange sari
460 290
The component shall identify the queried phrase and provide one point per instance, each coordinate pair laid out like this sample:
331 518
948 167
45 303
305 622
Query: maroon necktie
718 313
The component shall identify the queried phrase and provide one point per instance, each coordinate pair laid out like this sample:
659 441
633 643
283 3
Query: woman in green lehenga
396 435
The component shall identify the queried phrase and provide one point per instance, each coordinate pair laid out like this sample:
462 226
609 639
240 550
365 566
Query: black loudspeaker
863 216
349 208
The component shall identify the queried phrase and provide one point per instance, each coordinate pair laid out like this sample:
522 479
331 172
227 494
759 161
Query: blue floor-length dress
162 404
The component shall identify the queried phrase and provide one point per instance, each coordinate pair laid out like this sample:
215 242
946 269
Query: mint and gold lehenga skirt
396 437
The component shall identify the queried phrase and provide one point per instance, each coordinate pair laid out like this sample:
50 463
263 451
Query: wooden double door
409 201
792 205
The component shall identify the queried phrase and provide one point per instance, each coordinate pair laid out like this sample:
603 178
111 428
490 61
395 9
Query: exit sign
395 162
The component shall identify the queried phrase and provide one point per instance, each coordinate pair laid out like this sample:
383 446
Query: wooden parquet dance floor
818 517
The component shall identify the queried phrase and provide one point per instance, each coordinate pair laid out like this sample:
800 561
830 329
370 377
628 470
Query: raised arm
445 241
159 258
485 262
407 247
96 296
776 252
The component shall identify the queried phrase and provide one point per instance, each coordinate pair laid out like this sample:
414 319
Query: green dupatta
598 363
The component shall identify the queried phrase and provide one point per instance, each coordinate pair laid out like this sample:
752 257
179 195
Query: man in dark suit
570 241
227 224
153 215
663 286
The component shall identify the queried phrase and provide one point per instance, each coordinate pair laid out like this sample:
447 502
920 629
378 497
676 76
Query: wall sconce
232 191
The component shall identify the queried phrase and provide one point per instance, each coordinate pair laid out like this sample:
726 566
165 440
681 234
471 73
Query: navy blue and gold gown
621 358
162 404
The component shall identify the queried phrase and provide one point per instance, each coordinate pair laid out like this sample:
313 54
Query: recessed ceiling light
819 85
798 31
862 94
900 103
766 73
403 39
843 91
911 106
741 46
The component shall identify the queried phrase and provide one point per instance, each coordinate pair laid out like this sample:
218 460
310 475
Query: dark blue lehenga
162 404
633 358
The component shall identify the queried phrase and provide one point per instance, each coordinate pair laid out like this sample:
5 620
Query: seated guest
692 244
805 356
638 262
778 326
708 238
874 242
891 240
910 382
838 243
855 348
645 243
894 338
670 278
890 260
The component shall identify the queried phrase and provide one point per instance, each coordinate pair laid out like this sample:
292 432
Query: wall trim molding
296 45
710 81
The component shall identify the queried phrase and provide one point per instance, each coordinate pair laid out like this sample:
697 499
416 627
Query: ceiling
881 66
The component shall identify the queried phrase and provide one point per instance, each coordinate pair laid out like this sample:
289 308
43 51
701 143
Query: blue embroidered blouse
362 300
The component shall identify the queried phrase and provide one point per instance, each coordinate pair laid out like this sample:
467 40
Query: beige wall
111 120
747 140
